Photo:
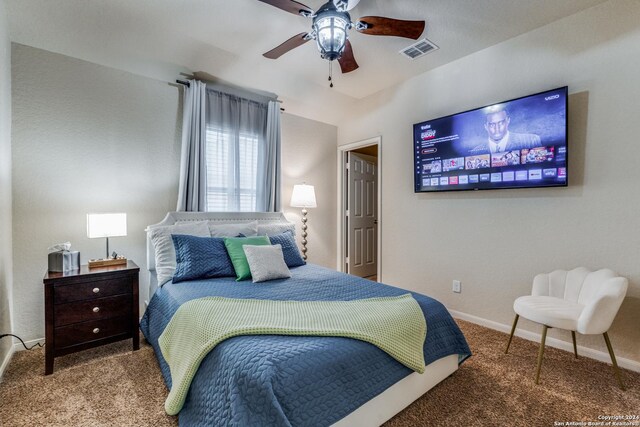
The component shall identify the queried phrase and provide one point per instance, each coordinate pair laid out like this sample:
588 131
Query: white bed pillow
266 262
276 228
247 229
165 253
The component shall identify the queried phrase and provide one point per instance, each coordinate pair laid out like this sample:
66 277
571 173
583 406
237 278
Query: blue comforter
274 380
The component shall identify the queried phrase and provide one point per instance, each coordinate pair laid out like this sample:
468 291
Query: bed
298 380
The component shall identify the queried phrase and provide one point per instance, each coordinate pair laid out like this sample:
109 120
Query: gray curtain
192 190
269 188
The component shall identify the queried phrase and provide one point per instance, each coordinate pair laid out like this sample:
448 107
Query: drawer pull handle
96 309
96 290
96 330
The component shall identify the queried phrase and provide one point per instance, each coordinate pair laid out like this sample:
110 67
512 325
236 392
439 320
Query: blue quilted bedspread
274 380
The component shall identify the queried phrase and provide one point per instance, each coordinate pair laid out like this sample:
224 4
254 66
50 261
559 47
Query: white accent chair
579 301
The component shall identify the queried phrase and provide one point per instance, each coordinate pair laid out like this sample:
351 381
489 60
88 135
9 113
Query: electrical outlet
457 286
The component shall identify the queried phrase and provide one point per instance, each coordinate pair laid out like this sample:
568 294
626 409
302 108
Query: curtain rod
187 84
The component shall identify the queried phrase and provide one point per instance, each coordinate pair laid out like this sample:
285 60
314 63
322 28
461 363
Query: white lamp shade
106 225
303 196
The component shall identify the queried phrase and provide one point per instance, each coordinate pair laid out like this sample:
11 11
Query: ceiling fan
330 27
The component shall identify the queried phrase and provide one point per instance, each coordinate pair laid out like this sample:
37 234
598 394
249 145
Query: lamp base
304 234
94 263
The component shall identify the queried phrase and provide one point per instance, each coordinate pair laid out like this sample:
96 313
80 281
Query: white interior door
362 215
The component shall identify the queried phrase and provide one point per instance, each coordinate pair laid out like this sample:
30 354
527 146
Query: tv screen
512 144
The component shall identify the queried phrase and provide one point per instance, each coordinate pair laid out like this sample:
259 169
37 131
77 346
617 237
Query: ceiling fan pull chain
330 73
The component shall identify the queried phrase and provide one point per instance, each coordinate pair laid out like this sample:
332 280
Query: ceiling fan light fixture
330 27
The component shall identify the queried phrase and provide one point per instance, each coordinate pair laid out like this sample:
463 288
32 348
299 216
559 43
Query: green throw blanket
394 324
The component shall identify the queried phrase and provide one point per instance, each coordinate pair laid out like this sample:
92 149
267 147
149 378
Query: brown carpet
112 386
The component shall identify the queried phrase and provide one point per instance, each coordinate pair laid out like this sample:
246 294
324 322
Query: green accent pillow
236 253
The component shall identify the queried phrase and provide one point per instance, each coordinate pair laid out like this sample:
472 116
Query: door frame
342 155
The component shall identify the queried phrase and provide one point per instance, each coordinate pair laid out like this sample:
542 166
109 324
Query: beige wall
496 241
88 138
6 276
309 155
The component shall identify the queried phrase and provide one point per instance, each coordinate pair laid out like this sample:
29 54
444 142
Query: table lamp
303 196
106 225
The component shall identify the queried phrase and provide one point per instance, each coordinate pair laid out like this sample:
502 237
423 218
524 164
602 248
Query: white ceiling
226 38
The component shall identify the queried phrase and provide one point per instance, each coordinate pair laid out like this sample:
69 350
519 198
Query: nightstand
87 308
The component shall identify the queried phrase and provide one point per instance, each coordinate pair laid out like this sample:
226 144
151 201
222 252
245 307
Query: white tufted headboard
218 217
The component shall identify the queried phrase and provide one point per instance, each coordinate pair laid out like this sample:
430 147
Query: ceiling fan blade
347 61
290 6
380 26
292 43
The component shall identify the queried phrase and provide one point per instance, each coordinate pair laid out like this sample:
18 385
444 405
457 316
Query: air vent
419 48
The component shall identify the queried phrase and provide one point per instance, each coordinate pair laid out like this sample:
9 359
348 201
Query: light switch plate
457 286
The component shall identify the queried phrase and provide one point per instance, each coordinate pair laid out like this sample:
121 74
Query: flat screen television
520 143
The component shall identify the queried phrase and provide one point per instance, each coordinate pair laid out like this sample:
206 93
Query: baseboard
6 361
601 356
17 346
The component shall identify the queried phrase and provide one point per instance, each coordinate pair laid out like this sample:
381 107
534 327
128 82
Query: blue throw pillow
200 258
290 250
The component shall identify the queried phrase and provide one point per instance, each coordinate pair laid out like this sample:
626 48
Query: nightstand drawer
96 309
80 333
91 290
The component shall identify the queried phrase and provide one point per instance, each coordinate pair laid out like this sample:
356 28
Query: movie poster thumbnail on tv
516 143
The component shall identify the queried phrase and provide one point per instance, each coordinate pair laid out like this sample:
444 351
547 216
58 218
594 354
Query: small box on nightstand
93 263
62 261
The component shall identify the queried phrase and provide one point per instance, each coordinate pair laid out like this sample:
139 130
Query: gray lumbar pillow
266 262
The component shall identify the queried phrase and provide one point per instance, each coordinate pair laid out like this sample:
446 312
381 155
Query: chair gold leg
541 351
616 370
575 347
513 329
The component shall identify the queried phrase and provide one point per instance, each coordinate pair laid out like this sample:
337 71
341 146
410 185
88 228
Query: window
231 161
230 152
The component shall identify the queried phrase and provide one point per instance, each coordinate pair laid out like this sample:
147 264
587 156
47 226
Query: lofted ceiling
226 38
